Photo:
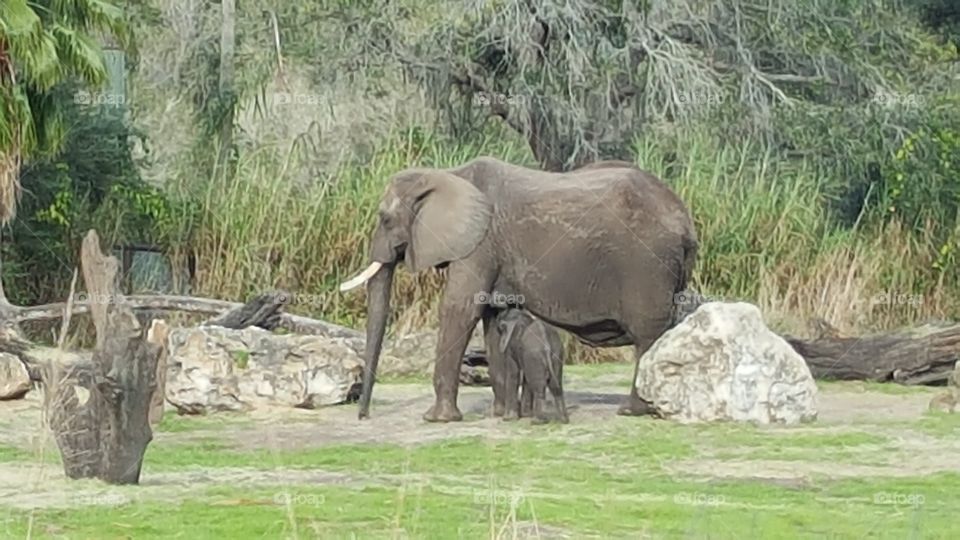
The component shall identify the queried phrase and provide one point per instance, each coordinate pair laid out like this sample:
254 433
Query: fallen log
924 355
262 311
99 410
161 303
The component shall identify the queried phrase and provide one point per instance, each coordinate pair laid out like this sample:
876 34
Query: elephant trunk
378 307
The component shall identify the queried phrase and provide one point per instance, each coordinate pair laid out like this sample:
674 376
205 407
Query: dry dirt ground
396 419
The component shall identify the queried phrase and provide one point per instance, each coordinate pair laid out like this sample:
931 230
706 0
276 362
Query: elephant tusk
362 277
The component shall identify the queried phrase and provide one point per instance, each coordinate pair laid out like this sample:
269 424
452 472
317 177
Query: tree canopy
44 43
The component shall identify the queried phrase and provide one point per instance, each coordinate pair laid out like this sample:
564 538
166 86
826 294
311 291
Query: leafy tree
92 182
44 43
579 79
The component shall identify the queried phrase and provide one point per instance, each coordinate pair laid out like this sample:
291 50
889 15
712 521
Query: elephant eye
419 200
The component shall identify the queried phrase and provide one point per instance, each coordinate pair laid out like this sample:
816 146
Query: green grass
747 510
940 424
761 437
588 371
241 358
10 453
459 456
614 479
176 423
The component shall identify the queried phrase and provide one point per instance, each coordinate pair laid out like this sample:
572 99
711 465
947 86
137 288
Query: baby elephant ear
506 331
452 217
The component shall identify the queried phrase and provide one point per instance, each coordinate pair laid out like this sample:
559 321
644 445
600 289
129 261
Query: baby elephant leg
539 396
526 400
556 388
510 388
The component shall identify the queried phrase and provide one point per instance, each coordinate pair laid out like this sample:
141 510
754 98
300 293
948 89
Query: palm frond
42 44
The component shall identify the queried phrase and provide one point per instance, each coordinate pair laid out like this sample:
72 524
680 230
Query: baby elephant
532 350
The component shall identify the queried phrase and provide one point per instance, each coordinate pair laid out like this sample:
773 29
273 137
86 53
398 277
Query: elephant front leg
459 313
495 361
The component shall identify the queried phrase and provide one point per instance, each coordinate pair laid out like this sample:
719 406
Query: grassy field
874 465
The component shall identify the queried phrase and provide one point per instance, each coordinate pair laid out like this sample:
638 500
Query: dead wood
172 303
99 409
924 355
262 311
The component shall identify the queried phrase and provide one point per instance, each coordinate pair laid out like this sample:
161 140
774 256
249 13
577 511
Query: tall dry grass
765 237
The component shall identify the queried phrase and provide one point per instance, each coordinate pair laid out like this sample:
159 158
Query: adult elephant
599 252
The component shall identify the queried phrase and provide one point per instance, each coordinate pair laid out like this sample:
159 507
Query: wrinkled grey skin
598 252
533 353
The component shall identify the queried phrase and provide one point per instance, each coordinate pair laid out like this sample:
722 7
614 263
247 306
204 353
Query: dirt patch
804 472
396 419
848 407
30 486
908 454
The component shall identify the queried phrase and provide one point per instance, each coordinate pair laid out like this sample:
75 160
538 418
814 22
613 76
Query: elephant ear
506 333
452 217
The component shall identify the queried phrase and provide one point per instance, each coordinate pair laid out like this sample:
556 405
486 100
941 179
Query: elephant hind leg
644 330
556 388
635 405
539 396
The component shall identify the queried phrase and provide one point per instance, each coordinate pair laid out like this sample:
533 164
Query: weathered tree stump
262 311
99 410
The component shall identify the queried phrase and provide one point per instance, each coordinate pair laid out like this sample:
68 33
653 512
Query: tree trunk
99 410
226 87
922 355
